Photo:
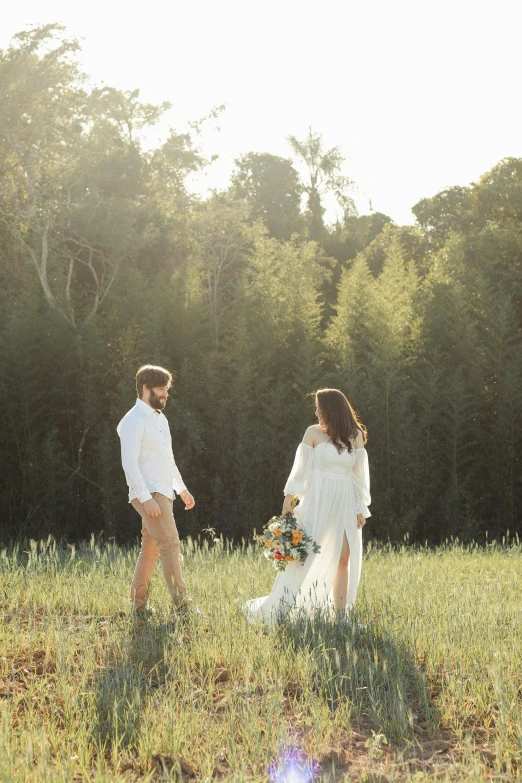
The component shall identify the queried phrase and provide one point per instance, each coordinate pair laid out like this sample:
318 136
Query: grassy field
431 690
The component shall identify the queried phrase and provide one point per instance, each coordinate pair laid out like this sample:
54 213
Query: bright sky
418 95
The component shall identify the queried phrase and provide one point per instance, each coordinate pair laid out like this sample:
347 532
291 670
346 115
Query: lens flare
293 770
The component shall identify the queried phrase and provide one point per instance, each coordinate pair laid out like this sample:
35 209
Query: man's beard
158 403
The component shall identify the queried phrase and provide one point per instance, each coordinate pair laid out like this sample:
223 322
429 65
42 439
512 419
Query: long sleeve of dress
300 471
361 482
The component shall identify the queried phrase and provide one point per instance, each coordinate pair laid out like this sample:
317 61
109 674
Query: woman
331 478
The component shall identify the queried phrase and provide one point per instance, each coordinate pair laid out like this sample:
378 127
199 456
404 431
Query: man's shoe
188 607
184 605
144 612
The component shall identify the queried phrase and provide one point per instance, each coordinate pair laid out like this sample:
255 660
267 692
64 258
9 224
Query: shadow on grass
383 683
135 666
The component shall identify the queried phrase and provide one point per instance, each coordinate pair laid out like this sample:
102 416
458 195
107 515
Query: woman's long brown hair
340 418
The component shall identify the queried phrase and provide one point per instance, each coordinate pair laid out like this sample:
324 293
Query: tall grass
430 689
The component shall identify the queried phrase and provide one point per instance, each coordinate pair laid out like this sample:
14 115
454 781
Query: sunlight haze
418 96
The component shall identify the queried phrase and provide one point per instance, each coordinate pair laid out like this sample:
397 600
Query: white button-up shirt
146 453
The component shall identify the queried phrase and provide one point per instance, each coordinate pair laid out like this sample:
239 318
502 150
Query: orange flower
268 543
289 557
277 532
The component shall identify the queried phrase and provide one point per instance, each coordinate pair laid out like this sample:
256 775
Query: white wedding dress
333 488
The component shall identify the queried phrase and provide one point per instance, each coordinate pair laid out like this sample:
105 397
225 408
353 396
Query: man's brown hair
150 376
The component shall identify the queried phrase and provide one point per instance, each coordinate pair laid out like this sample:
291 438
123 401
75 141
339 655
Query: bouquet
286 542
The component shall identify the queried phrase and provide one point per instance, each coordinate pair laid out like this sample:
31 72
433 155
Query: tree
323 176
270 366
373 342
220 247
125 112
449 210
68 196
107 261
498 193
41 111
410 241
271 187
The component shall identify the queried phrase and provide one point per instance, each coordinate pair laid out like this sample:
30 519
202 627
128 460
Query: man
153 479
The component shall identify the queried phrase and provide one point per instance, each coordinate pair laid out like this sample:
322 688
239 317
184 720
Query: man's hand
187 499
152 508
360 521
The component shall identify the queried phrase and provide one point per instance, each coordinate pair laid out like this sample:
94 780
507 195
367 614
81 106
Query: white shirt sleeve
177 482
131 432
361 482
300 471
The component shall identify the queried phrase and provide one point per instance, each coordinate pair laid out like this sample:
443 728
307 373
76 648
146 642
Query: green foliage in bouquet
286 542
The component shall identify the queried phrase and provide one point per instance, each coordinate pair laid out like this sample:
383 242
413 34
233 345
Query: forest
253 300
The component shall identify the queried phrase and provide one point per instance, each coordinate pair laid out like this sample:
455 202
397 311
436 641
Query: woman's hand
360 521
287 505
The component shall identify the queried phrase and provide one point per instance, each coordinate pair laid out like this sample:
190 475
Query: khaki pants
159 538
